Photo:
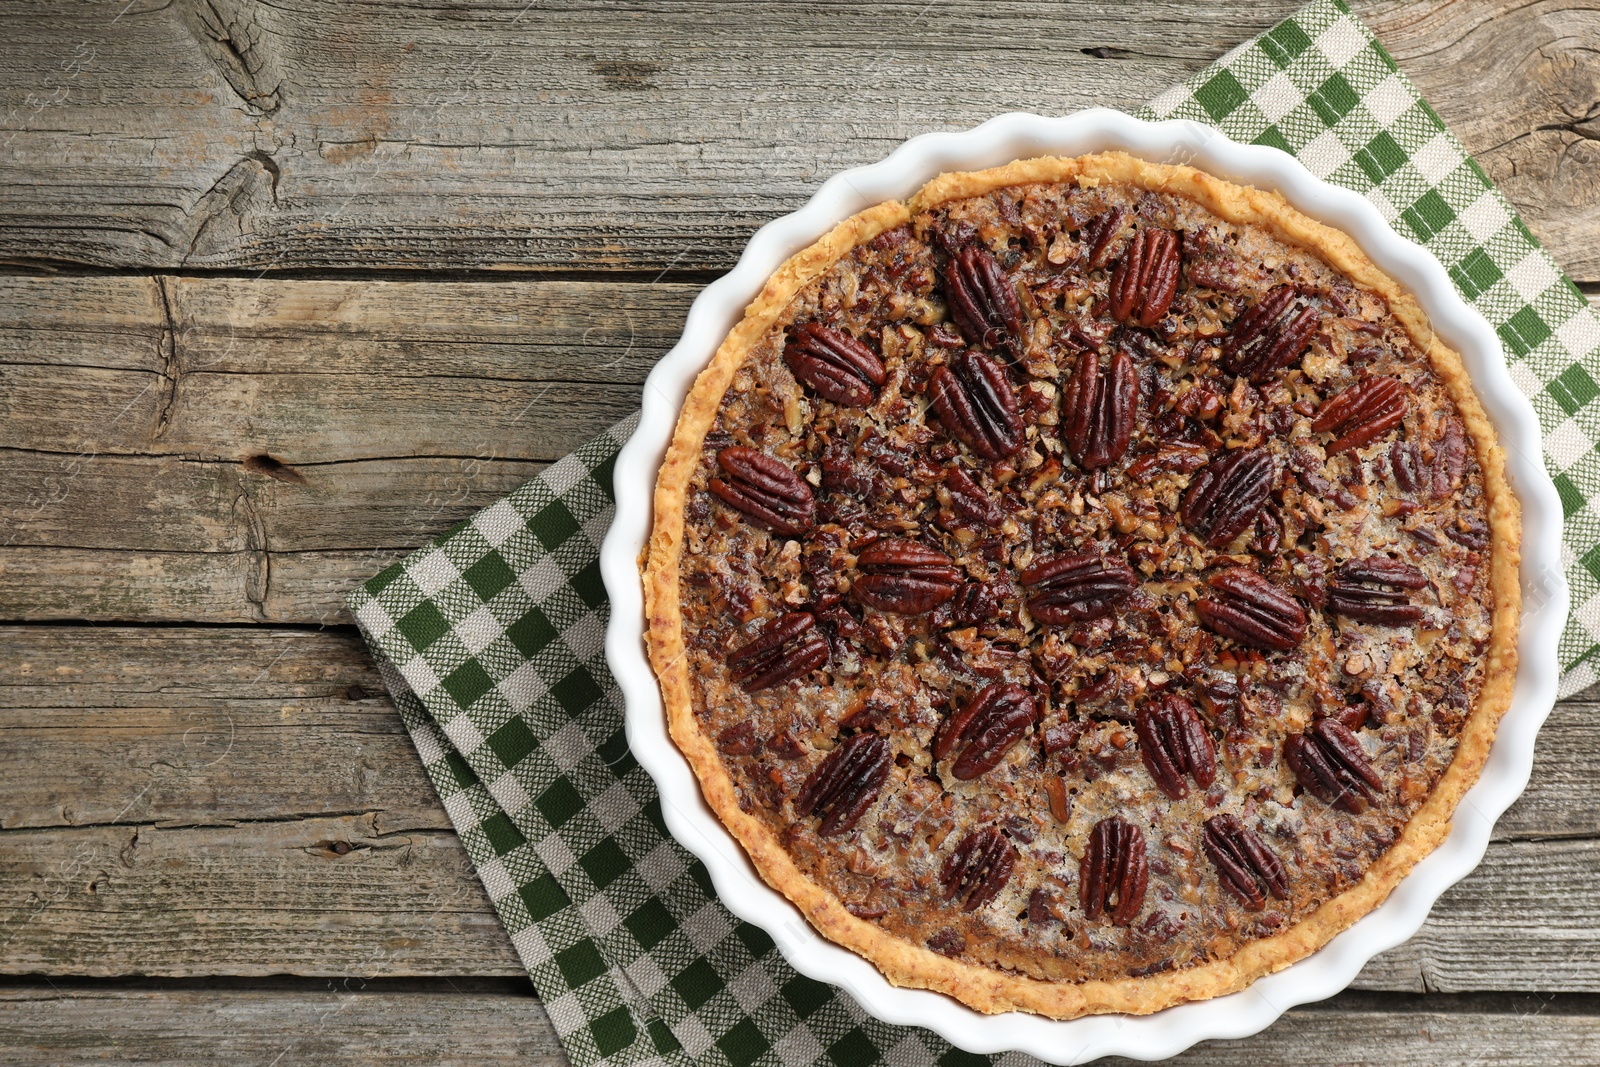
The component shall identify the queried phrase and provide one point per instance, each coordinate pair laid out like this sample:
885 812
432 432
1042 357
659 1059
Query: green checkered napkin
490 638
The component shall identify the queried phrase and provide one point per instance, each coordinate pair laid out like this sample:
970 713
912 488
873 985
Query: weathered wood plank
333 895
176 504
64 1025
134 139
337 1026
235 450
324 371
186 727
221 801
229 759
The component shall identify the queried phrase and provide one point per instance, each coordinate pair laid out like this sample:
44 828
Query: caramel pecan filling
1081 585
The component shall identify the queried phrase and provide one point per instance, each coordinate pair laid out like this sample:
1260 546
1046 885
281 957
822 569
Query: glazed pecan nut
1248 868
986 728
787 647
982 300
979 868
905 577
1410 473
1174 745
1253 611
846 782
1097 409
1329 761
1374 590
977 603
1449 459
1270 336
969 501
976 403
765 490
1114 873
1362 413
1146 280
833 364
1098 233
1180 457
1077 587
1226 496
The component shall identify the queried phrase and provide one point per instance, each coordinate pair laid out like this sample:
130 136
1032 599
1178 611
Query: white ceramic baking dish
1020 136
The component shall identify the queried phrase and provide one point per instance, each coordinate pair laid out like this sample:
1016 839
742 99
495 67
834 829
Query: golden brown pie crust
980 987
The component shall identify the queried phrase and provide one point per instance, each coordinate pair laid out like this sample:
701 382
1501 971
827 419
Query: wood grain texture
229 450
327 895
326 371
66 1026
200 727
177 802
222 133
338 1026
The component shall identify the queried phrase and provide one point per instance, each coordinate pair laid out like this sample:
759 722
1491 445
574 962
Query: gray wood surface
225 133
287 290
362 1024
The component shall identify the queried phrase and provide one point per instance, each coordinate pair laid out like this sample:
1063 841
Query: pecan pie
1087 587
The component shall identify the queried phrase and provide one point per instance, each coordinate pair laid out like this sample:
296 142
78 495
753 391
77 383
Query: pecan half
982 300
977 603
1146 280
1077 587
1449 459
1098 233
1249 869
740 739
976 403
1362 413
1330 762
1114 873
1373 590
1226 496
847 781
787 647
1174 743
835 365
1097 409
906 577
979 868
986 729
765 490
1252 610
969 501
1410 473
1270 336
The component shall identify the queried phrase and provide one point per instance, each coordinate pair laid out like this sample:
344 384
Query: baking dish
1003 139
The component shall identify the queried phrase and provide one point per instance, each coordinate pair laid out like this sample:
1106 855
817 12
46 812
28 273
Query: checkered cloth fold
490 638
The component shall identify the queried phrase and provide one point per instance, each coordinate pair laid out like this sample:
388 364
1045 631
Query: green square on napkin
490 638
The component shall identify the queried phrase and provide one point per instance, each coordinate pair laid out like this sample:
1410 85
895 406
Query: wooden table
283 294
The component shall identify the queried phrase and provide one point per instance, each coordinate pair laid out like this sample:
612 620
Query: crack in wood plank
258 577
167 354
